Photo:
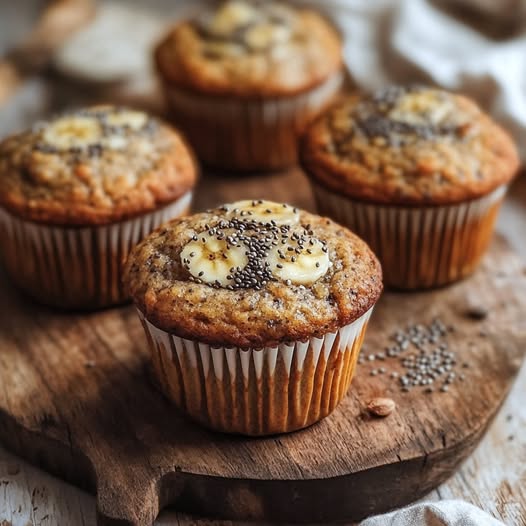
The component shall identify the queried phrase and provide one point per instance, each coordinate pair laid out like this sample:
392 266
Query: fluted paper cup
256 391
248 134
76 267
419 247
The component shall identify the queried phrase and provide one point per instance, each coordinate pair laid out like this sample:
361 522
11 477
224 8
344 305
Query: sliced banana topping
278 12
73 132
251 243
231 16
254 28
135 120
264 211
92 130
263 36
114 142
425 107
301 262
223 49
213 260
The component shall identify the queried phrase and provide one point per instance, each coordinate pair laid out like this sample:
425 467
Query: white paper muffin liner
419 247
76 267
248 134
257 391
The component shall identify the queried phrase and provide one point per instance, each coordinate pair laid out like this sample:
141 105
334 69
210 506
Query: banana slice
264 211
211 260
115 142
263 36
423 108
135 120
280 13
230 17
300 264
222 49
73 132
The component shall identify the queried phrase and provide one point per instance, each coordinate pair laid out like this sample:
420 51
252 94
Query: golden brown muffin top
409 145
252 274
251 49
93 166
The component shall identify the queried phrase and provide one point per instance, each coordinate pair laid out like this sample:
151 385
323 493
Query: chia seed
424 357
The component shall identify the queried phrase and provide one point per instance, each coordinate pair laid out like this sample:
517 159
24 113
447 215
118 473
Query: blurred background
60 54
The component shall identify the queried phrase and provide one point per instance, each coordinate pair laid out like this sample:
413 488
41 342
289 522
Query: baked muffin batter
409 145
250 49
93 166
252 274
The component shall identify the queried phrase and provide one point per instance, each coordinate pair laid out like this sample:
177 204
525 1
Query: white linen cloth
441 513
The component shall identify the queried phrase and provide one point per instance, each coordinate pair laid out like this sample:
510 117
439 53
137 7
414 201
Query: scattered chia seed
424 356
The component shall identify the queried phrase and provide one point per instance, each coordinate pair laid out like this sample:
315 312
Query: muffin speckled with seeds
78 191
244 79
419 173
255 313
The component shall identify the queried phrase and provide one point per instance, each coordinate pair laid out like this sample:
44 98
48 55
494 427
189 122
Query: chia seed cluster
258 238
370 119
424 355
268 13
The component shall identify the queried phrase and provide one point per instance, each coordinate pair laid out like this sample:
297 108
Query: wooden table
493 478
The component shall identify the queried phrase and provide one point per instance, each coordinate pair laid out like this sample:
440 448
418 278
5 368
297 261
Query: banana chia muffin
255 313
242 80
78 191
418 172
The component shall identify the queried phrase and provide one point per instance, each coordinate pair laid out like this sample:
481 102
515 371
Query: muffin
78 191
419 173
254 313
243 81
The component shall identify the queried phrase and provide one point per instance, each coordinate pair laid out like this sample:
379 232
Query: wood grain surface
77 400
493 478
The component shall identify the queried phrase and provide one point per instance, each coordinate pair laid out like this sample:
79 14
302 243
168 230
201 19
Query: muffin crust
251 49
250 316
409 145
94 166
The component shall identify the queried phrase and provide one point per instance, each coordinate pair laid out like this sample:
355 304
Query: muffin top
93 166
252 274
409 145
251 49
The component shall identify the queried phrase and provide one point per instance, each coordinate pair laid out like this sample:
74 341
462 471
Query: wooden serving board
76 397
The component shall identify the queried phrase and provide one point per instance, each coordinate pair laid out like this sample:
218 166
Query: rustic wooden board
75 398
